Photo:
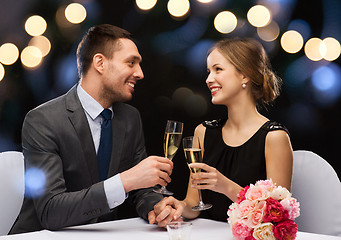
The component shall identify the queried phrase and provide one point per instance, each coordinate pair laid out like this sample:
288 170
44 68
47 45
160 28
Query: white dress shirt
113 186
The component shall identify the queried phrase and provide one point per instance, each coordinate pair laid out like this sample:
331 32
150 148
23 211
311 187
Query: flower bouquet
264 211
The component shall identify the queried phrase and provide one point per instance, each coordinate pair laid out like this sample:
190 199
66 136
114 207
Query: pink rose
274 211
240 230
292 207
241 194
256 216
267 184
245 207
285 230
257 193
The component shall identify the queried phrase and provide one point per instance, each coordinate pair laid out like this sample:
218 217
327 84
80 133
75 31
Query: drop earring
244 85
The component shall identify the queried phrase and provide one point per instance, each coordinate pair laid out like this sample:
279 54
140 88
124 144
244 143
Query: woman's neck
243 115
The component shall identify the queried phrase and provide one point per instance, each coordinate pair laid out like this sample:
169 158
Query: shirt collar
90 105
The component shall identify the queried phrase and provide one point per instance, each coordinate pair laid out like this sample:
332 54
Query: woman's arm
191 200
279 158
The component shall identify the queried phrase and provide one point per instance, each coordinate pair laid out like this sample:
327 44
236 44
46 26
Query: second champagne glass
171 143
193 154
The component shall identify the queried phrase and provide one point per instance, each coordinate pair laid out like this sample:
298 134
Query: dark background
174 84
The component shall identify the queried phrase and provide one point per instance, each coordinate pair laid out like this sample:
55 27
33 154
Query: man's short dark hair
98 39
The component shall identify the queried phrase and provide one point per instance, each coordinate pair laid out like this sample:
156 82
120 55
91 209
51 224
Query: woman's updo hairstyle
249 57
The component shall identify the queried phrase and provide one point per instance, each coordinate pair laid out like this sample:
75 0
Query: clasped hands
156 170
170 209
167 210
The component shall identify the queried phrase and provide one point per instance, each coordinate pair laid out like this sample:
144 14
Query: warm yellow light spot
75 13
42 43
145 4
2 72
259 16
31 57
205 1
292 41
35 25
323 49
331 49
270 32
312 49
9 53
178 8
225 22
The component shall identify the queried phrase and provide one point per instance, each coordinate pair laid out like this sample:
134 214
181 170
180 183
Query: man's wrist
125 181
114 191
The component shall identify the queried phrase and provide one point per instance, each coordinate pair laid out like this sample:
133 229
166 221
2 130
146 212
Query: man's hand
167 210
149 172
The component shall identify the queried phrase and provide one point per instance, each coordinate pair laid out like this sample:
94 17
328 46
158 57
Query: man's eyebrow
135 57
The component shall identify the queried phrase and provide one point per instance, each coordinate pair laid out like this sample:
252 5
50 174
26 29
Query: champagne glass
193 154
171 143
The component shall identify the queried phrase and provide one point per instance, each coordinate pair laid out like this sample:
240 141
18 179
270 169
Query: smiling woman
246 147
247 60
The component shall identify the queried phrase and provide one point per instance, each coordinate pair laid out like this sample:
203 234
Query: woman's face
224 81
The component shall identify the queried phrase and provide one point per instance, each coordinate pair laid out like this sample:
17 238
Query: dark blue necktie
105 145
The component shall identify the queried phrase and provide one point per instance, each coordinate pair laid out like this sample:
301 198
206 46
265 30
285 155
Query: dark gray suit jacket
56 139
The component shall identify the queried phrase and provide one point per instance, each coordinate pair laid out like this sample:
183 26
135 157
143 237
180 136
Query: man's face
121 72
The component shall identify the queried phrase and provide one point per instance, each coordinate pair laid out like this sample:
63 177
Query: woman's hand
210 178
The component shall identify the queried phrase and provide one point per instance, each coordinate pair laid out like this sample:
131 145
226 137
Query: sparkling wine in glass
193 154
171 143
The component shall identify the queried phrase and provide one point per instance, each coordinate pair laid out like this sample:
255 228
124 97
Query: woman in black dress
247 146
239 150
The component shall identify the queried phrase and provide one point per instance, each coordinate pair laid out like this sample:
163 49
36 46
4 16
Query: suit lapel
119 127
79 121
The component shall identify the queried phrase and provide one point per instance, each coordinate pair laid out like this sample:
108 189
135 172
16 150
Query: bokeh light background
38 41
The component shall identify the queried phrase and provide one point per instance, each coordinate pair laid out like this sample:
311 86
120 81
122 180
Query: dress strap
273 126
218 123
268 126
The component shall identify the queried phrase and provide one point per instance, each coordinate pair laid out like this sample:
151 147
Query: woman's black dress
244 164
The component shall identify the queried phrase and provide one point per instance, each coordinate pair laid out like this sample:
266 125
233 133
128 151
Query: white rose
264 232
233 213
280 193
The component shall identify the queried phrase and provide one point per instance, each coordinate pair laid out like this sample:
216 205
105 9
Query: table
137 228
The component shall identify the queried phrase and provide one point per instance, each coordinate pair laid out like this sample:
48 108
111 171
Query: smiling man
90 145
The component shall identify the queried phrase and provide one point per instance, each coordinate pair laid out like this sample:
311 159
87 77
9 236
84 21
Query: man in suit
62 138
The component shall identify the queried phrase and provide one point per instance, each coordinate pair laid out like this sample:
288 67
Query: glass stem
200 197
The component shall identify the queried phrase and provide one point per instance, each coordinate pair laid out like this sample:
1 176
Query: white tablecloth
136 228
